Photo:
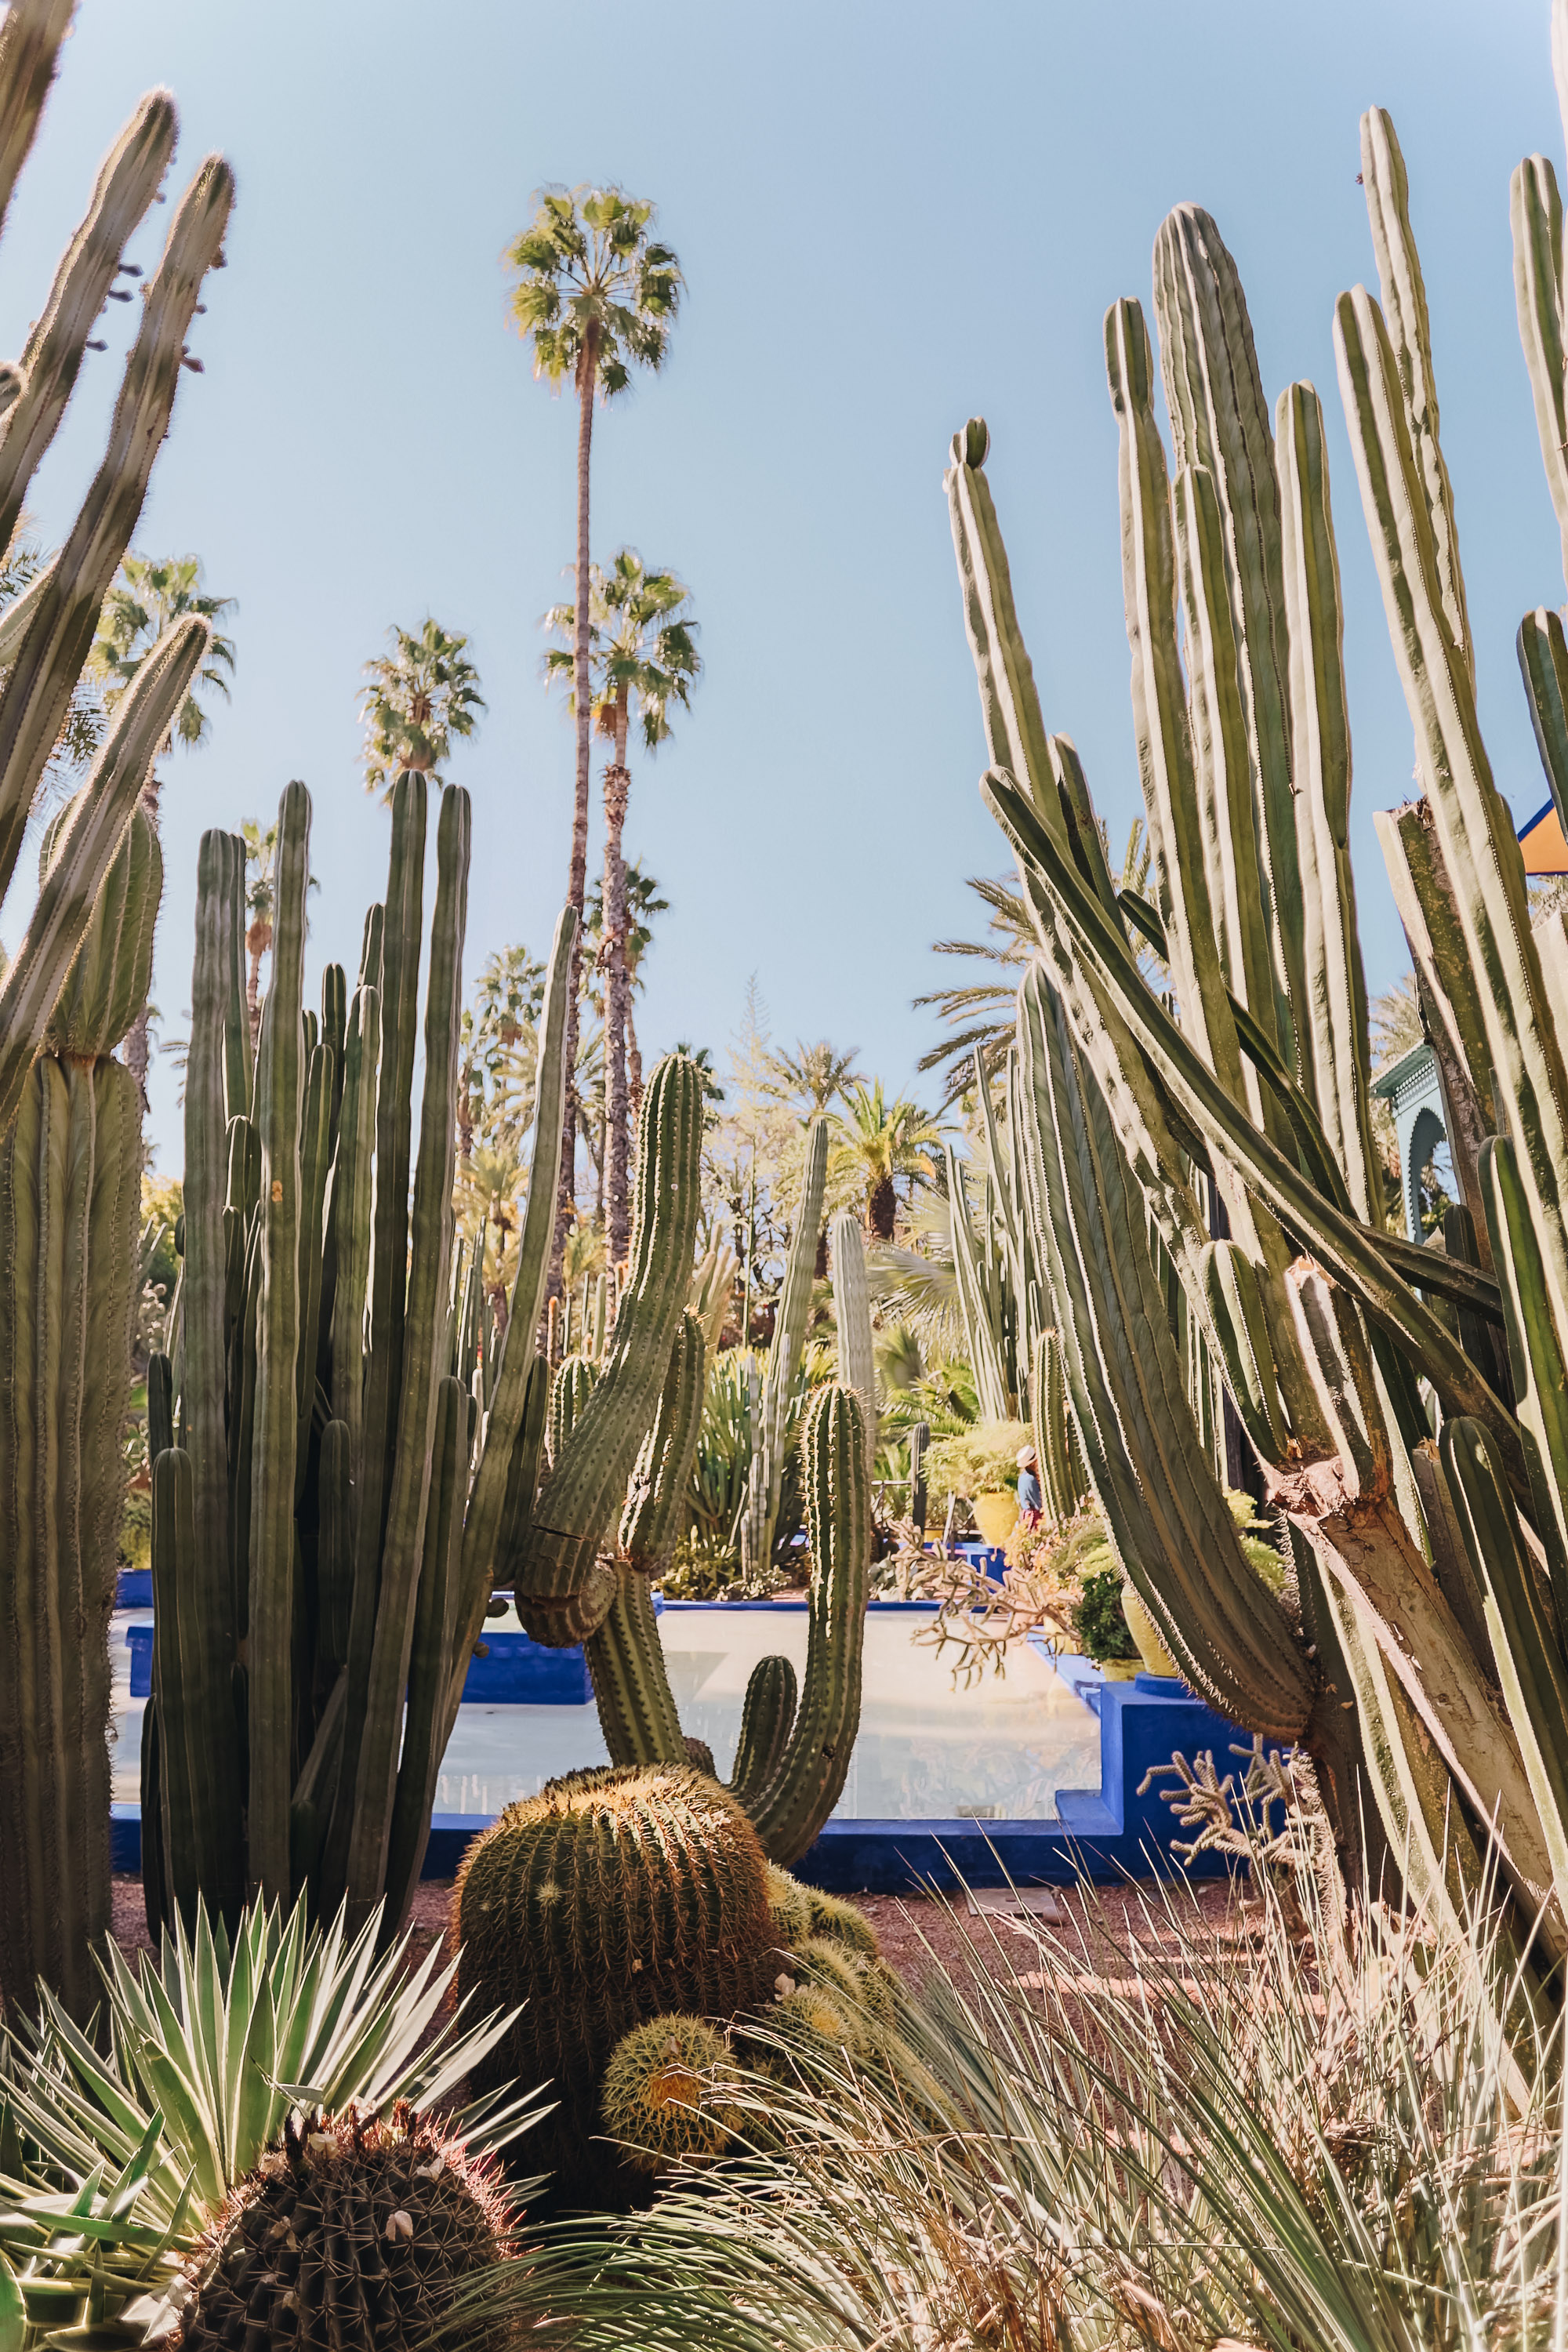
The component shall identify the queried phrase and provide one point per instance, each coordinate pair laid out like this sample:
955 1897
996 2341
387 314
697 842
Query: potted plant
980 1466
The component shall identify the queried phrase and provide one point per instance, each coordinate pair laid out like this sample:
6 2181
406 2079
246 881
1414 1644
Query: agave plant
117 2154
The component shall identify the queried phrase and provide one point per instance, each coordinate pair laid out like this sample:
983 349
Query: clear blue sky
890 216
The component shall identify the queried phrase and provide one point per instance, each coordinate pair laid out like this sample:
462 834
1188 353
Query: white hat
1026 1456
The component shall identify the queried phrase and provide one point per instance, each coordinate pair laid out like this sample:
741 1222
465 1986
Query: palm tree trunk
253 994
882 1209
616 785
633 1062
578 883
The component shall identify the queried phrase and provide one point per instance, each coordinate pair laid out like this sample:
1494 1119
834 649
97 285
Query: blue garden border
1109 1833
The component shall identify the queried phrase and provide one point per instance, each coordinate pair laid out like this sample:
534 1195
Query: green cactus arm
1220 424
852 1313
18 617
37 689
767 1718
423 1356
790 1810
758 1520
481 1532
100 819
334 1033
160 1405
983 1346
1346 1249
638 1713
30 39
654 1519
1470 819
569 1392
1524 1643
199 1765
430 1652
1535 214
1448 986
314 1148
334 1555
562 1582
1245 937
107 984
1543 666
1333 1015
51 360
1535 1359
279 1093
349 1207
402 936
1009 700
1403 292
1172 1528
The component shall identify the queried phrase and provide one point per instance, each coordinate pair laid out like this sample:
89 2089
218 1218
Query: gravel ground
916 1932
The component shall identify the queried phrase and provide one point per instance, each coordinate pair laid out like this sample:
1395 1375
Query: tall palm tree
415 701
882 1141
812 1077
147 597
596 295
642 655
643 902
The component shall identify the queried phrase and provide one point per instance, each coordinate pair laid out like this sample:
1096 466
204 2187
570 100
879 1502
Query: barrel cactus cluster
1203 1190
630 1918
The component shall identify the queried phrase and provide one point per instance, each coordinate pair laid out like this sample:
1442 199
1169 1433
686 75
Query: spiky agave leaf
208 2048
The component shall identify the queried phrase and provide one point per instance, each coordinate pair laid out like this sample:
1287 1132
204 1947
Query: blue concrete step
515 1672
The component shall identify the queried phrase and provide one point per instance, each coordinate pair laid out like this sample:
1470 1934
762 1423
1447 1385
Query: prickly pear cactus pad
358 2230
613 1897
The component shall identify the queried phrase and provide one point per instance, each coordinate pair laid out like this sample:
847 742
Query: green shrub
979 1461
1101 1628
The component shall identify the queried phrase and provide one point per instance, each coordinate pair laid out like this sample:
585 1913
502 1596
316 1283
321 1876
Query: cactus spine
335 1505
770 1413
69 1211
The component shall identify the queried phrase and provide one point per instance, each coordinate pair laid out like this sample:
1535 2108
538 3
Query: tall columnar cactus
852 1312
326 1532
566 1583
70 1173
1416 1603
770 1418
47 631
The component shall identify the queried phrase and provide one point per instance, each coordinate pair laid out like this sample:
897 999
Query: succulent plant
357 2228
613 1897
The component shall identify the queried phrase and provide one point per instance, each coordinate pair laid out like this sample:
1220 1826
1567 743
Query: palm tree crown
812 1074
881 1141
147 597
415 701
642 649
594 292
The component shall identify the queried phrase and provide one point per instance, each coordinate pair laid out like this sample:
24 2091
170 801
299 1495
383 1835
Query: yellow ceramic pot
1157 1659
1122 1670
996 1516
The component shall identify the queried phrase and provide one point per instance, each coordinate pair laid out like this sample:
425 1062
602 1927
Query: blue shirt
1028 1491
